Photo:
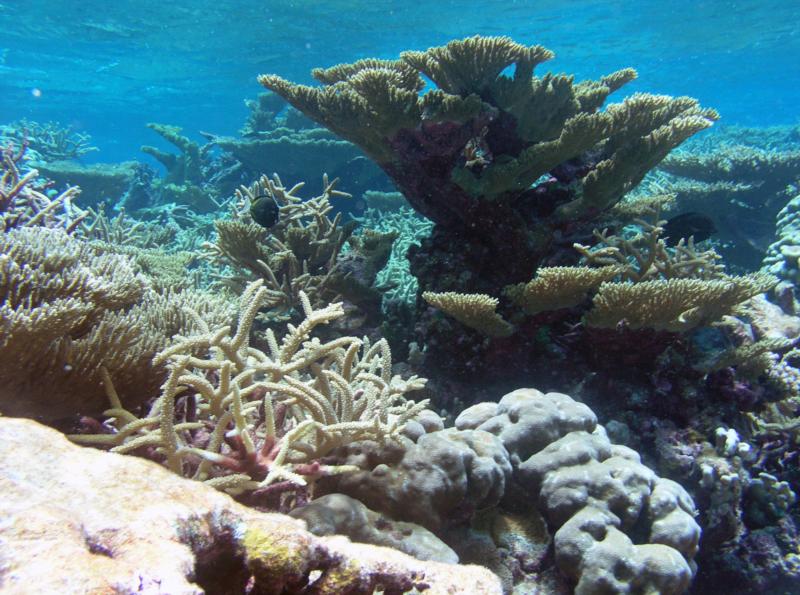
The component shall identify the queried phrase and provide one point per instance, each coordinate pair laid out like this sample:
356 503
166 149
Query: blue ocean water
110 67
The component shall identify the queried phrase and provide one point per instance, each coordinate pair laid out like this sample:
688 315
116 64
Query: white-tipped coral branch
243 419
24 203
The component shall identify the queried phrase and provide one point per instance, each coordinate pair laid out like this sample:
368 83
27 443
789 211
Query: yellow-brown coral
673 304
475 310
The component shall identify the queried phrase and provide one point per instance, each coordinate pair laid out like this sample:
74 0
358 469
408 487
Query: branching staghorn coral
251 420
122 230
296 255
499 163
25 203
50 141
645 255
69 308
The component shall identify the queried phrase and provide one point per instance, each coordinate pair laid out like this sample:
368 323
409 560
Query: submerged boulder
78 520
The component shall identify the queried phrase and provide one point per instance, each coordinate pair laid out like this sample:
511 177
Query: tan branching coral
645 256
298 254
643 203
67 310
554 288
673 304
24 203
752 359
50 141
474 310
249 419
122 230
635 280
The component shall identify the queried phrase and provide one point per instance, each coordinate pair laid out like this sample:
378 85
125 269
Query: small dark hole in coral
383 524
622 572
220 568
96 546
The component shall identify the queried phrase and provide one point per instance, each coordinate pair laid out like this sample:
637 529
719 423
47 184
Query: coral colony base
367 422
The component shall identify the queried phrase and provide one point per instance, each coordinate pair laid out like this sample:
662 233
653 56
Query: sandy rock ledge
77 520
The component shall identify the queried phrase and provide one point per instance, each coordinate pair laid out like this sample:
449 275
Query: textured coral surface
77 520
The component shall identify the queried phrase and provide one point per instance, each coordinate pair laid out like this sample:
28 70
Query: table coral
499 163
736 177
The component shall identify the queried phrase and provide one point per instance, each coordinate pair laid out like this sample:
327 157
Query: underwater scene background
354 297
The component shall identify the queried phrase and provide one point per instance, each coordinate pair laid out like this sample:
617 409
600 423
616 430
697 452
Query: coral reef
73 315
500 164
268 419
24 202
521 250
736 178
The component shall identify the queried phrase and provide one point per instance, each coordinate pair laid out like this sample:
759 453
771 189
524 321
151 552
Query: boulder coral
619 528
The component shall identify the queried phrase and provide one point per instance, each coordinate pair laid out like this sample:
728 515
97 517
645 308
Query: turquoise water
110 67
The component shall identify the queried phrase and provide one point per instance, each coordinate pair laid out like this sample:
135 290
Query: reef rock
78 520
337 514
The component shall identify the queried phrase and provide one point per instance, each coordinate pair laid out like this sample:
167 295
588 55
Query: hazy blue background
111 66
